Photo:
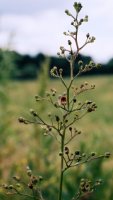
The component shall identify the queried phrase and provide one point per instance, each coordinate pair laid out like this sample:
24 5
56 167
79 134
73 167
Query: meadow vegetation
23 144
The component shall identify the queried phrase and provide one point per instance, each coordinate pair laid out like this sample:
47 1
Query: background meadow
23 145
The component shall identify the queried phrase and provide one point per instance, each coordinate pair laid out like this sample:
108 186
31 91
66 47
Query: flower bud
57 118
86 18
77 152
77 6
33 112
60 153
107 154
74 100
63 100
34 180
60 70
70 128
66 150
10 187
29 172
40 178
21 119
88 35
93 154
80 62
89 110
67 12
5 186
72 23
16 178
58 53
69 42
30 185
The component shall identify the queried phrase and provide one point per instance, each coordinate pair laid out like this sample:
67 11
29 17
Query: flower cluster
19 186
86 188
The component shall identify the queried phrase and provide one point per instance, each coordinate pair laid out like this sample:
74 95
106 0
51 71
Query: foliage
27 67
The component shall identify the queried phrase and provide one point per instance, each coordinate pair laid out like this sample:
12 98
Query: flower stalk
62 126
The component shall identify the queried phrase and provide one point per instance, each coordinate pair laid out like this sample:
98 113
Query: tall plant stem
68 98
71 68
62 166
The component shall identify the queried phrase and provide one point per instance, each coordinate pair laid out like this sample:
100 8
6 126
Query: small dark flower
30 185
66 150
63 100
77 152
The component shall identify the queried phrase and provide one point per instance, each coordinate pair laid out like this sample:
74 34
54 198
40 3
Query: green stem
62 166
68 98
62 80
34 197
71 69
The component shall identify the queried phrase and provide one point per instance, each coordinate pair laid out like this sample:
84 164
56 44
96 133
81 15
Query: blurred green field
20 144
100 123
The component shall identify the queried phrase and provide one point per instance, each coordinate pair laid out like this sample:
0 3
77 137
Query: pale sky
33 26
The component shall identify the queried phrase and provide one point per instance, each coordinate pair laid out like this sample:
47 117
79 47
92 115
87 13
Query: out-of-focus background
30 36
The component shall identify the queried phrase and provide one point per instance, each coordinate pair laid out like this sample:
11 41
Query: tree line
23 67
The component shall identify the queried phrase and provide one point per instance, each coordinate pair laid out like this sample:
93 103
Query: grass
99 123
23 142
22 99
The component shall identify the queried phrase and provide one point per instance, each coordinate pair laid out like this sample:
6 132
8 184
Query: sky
33 26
